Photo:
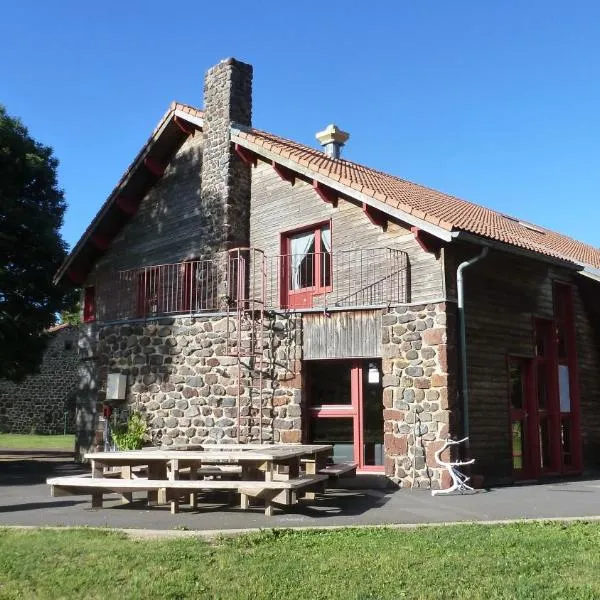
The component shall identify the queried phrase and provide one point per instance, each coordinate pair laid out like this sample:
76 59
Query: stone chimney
226 179
332 138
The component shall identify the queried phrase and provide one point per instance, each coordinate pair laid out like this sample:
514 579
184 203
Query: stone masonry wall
38 403
182 379
415 394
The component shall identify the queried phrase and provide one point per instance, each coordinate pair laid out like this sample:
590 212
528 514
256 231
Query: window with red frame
568 384
89 304
306 265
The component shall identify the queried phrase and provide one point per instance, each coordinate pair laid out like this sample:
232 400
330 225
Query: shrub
130 435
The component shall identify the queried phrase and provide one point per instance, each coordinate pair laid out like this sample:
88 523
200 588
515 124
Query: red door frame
303 298
546 331
352 411
522 415
567 320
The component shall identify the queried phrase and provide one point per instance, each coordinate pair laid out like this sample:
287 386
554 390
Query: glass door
346 410
519 392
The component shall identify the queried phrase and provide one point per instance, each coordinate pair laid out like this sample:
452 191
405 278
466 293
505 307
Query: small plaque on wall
116 386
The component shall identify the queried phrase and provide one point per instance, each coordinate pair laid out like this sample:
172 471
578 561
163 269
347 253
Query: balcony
352 278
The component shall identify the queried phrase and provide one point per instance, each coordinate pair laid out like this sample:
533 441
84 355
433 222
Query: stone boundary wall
38 403
415 394
182 379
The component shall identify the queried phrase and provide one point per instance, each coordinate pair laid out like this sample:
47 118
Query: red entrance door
345 409
543 408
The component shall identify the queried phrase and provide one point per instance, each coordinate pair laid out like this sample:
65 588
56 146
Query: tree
72 314
31 248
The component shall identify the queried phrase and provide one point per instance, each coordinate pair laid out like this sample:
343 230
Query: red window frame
303 297
89 304
564 319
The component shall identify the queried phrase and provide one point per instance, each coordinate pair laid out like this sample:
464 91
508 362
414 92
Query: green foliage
72 314
130 435
528 560
31 248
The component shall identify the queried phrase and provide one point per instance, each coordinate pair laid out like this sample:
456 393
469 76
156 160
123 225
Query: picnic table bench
271 473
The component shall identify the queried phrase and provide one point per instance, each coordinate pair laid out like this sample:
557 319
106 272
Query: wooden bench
272 492
337 470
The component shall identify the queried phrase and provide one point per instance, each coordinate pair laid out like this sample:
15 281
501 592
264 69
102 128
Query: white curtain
299 247
326 239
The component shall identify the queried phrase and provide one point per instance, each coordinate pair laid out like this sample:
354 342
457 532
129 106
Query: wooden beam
247 156
428 242
283 172
76 276
101 242
326 193
154 167
376 216
127 204
182 126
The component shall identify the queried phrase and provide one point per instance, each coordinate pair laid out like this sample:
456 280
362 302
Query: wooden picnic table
270 472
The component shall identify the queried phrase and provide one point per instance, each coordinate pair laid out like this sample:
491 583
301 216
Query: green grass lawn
534 560
18 441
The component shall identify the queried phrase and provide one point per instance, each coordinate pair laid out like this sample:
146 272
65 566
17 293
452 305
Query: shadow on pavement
39 505
35 469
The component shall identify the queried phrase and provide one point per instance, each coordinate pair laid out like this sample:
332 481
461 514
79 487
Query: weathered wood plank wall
278 206
503 294
352 334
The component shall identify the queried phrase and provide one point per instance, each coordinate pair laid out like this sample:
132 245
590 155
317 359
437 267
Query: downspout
462 335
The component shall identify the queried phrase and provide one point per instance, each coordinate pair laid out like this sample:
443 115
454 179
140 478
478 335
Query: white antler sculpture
459 481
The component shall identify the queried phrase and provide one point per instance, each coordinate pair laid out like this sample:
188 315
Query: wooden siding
352 334
503 294
587 332
279 206
169 224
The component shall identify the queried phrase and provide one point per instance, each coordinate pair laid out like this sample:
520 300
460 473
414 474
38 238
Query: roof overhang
342 189
591 273
135 183
465 236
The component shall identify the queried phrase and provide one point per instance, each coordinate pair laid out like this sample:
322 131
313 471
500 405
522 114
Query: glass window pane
338 432
372 414
516 384
565 434
544 434
329 382
517 444
302 248
562 341
564 390
542 386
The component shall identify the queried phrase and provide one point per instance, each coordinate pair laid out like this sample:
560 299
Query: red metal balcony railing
350 278
346 278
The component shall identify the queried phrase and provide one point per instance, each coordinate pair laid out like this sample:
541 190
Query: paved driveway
25 500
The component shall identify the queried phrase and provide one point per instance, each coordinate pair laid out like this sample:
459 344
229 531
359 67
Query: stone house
45 401
250 288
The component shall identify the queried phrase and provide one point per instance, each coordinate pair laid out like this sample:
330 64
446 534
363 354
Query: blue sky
495 102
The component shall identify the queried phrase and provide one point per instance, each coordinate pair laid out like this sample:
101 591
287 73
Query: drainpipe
462 338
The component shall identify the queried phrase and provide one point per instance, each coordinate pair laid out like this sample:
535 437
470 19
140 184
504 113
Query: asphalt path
25 500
